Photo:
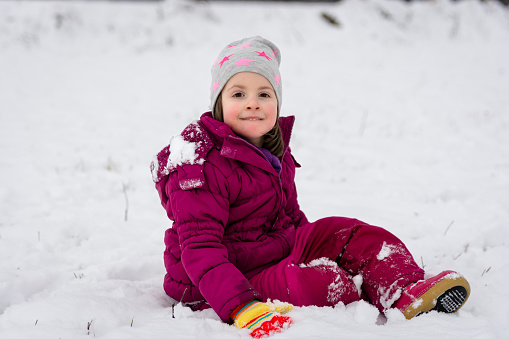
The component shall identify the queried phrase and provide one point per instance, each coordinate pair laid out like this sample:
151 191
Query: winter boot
445 292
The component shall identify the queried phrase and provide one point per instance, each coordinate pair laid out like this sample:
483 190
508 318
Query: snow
336 289
358 280
278 306
388 298
181 152
326 262
453 276
401 121
417 303
385 251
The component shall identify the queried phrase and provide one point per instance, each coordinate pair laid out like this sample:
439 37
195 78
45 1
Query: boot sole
447 296
451 300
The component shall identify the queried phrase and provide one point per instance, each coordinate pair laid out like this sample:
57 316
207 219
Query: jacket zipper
278 175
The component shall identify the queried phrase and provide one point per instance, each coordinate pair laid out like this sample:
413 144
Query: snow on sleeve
190 147
385 251
154 168
178 153
181 152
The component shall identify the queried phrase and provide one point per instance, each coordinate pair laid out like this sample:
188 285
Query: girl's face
249 106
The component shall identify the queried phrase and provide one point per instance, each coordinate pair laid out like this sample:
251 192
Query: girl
239 237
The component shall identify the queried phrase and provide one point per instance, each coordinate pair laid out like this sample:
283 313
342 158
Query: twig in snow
89 324
466 248
38 319
173 305
331 19
422 263
183 294
124 187
447 229
132 321
385 14
486 271
464 251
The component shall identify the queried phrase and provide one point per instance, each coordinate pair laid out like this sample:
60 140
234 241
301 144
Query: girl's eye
265 95
237 95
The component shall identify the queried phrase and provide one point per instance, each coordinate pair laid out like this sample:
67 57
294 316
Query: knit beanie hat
255 54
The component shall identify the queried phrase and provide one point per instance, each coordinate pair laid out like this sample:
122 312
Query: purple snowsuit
238 232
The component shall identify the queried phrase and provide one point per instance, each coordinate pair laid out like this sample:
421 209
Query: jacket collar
222 131
234 147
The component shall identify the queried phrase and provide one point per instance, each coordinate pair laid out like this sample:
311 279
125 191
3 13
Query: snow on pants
340 260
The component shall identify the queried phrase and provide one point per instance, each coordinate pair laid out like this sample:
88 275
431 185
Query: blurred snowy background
402 121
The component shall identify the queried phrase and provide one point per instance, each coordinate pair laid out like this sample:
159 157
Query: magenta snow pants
340 260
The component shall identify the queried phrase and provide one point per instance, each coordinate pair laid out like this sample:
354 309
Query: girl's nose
252 104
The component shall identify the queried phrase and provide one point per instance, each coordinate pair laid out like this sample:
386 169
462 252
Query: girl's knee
322 286
343 290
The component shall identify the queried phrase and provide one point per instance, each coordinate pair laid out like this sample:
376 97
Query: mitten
262 318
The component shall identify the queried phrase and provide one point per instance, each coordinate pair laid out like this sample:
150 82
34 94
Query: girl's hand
262 318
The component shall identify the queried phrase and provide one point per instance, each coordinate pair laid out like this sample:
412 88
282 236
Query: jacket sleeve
292 208
200 213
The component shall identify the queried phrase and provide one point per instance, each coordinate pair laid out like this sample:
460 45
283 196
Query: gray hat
255 54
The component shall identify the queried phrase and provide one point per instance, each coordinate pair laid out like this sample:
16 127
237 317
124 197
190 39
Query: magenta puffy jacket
233 215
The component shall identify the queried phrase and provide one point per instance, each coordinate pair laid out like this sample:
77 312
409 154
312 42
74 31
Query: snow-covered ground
402 121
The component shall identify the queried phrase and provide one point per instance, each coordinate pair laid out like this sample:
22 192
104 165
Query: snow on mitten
262 318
